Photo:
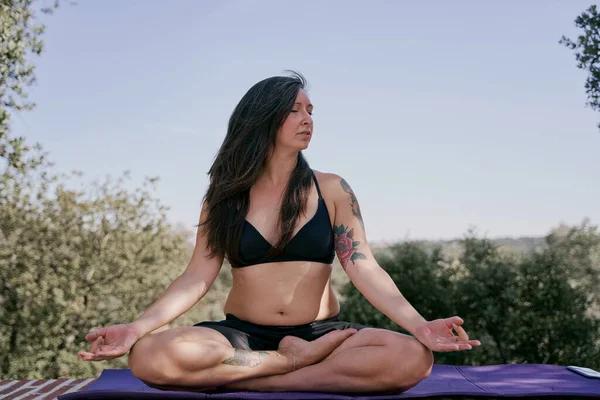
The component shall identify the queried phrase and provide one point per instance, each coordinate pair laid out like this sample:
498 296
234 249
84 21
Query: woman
279 224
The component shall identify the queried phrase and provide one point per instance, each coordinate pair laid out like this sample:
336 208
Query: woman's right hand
110 342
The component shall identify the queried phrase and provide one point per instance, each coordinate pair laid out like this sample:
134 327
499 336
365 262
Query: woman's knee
421 359
147 361
412 362
427 360
164 358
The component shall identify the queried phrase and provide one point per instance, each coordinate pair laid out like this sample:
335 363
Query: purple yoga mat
509 380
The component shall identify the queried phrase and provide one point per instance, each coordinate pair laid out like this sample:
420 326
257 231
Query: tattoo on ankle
243 358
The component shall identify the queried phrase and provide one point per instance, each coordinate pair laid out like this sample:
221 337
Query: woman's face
297 129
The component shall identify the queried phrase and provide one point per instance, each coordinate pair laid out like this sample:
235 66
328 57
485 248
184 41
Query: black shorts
248 336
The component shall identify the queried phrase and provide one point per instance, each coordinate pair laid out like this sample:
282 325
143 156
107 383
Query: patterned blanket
42 389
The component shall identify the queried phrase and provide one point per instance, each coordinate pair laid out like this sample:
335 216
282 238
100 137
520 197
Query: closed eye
309 112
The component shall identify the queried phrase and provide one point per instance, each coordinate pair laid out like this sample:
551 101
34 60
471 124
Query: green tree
532 308
587 53
524 308
71 259
74 259
484 293
417 274
554 325
580 246
20 40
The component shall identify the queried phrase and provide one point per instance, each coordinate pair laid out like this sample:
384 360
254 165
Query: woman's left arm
376 284
361 267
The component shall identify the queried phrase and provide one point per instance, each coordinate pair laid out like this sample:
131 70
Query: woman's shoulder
331 184
326 177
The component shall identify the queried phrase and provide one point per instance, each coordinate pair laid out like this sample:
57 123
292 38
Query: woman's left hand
438 335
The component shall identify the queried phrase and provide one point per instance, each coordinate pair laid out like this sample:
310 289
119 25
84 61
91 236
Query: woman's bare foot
309 353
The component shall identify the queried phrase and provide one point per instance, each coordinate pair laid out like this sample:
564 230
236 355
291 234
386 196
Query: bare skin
197 358
371 360
298 292
286 293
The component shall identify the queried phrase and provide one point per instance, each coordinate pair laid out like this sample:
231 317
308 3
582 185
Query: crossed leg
372 360
201 359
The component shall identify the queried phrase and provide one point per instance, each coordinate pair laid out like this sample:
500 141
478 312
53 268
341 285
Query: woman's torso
283 293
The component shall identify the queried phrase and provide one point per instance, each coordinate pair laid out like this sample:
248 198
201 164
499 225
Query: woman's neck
278 169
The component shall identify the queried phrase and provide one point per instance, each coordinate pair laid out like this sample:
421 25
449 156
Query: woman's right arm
186 290
180 296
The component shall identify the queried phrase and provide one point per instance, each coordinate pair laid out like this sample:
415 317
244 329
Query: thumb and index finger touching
95 333
455 323
97 351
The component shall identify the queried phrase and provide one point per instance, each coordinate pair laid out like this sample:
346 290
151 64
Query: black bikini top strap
316 184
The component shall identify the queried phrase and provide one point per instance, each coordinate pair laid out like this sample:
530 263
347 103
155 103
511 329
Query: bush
71 260
534 308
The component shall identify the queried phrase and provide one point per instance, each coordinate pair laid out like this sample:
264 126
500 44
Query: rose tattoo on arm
345 246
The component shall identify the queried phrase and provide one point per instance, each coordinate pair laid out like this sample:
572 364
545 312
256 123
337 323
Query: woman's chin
304 145
300 148
295 146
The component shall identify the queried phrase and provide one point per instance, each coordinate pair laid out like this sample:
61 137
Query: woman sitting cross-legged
279 224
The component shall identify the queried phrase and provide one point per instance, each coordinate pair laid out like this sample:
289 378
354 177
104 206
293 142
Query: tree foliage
71 260
587 52
533 308
20 40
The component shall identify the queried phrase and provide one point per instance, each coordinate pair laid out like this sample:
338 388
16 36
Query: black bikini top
313 242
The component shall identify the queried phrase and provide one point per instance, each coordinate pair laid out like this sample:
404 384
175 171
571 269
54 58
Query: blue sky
441 115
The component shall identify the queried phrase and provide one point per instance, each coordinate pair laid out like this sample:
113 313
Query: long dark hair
251 133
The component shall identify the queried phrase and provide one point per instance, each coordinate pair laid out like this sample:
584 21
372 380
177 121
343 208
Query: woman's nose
307 119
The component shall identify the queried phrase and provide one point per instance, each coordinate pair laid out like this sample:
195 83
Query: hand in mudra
438 335
110 342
